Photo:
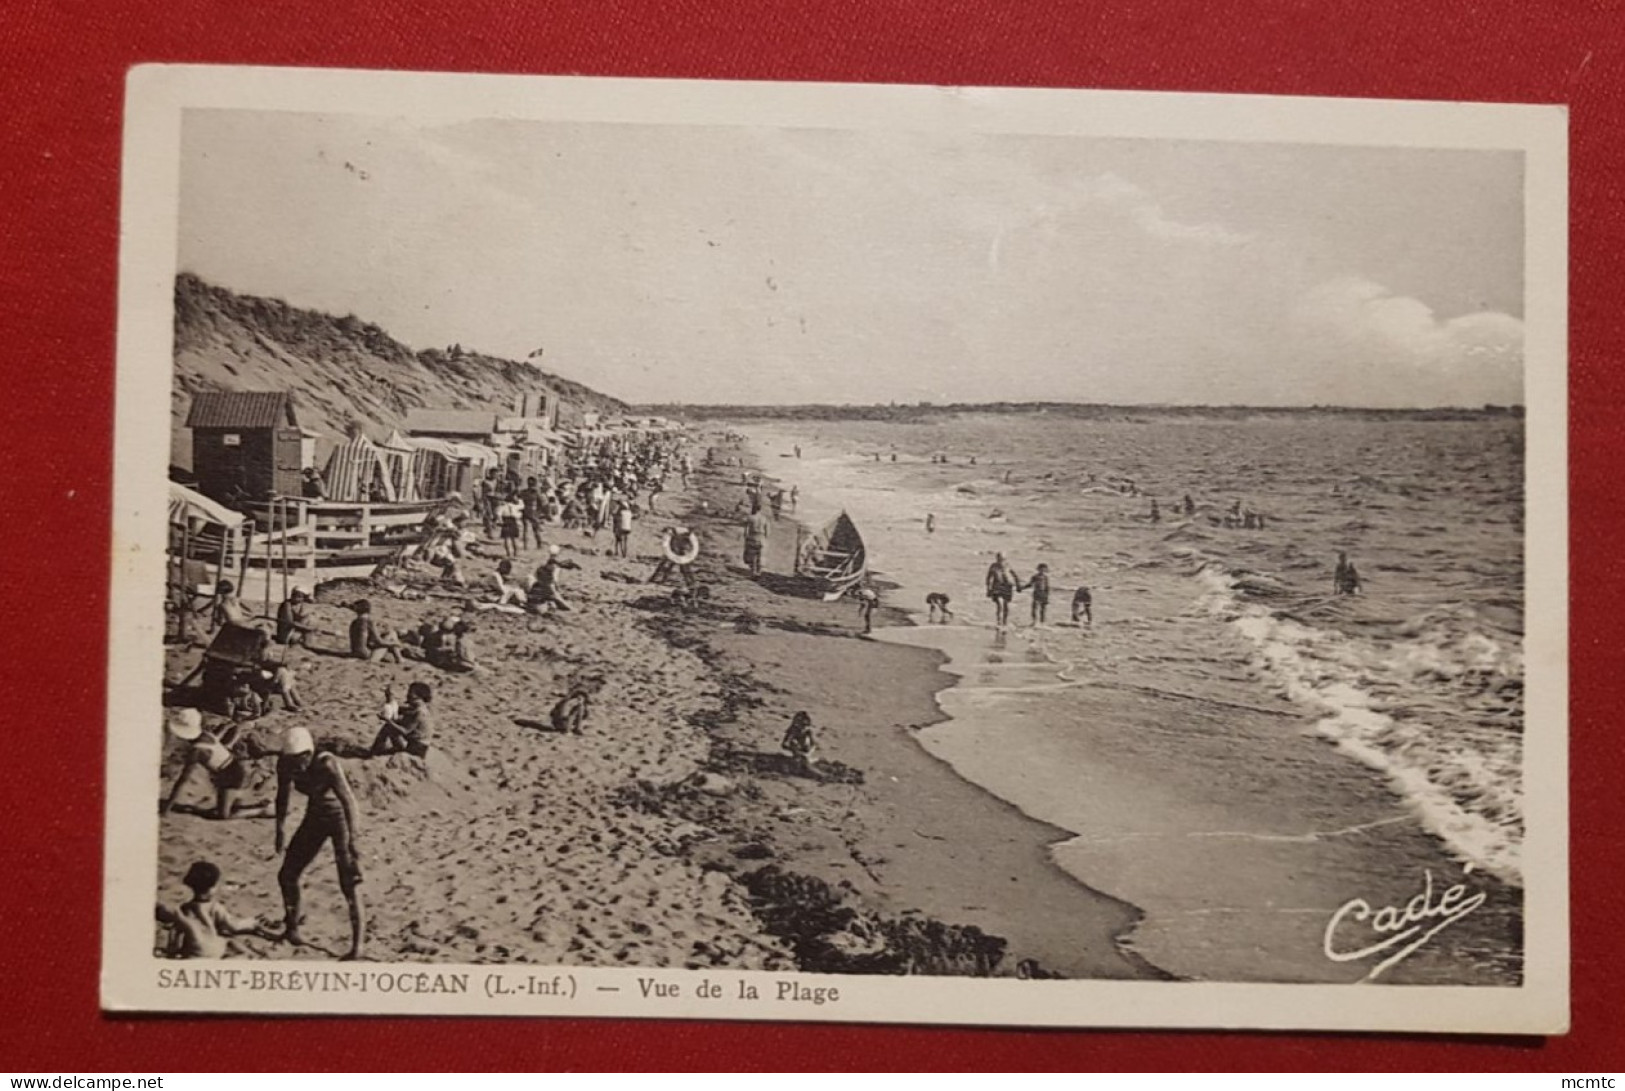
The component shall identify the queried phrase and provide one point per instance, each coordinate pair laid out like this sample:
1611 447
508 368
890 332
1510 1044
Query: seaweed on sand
828 935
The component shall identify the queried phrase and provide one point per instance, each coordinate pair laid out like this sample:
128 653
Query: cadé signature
1398 930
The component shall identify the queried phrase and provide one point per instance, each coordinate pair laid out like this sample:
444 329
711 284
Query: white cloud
1408 354
1139 206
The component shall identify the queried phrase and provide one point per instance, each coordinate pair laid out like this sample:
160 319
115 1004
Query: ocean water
1237 751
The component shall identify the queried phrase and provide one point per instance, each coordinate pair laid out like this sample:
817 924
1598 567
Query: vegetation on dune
345 373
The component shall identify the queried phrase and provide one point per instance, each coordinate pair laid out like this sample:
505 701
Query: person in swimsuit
510 517
1039 586
937 603
544 589
198 928
214 754
867 601
757 529
1001 588
571 710
1346 578
1082 606
330 815
293 624
412 730
800 743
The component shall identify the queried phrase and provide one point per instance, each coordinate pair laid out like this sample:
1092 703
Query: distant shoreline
921 412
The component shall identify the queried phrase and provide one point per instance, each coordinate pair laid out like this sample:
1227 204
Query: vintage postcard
826 552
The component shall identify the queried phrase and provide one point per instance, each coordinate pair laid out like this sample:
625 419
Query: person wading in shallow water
1083 606
1001 588
1039 586
330 815
1346 578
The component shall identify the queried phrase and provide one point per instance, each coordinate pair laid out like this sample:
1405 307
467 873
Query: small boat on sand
834 558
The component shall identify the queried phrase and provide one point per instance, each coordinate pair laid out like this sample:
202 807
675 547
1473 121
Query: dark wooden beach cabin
246 445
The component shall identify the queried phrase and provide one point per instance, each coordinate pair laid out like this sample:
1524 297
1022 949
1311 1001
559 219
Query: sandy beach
672 832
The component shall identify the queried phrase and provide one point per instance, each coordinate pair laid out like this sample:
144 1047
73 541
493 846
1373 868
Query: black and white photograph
827 552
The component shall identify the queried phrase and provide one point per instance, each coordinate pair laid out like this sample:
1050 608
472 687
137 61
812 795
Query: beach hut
246 444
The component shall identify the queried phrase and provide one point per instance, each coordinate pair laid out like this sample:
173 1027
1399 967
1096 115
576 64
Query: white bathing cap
297 740
184 723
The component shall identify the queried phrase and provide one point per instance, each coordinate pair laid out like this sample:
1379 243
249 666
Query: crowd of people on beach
248 671
247 666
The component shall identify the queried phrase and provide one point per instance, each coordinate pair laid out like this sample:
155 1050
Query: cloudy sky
760 265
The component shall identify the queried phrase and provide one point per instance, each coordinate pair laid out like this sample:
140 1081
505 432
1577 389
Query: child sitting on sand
413 730
365 640
198 929
458 654
243 703
571 710
509 590
275 679
799 742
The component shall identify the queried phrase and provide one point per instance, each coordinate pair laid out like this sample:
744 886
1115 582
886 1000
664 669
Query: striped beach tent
355 465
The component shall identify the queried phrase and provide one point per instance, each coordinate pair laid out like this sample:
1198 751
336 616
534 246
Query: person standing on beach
757 528
681 547
530 504
623 526
485 497
1039 586
795 490
510 514
867 601
1001 588
331 814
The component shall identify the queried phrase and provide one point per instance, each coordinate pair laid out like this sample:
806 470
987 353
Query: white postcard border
157 95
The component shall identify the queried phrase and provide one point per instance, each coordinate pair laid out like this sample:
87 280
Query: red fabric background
61 72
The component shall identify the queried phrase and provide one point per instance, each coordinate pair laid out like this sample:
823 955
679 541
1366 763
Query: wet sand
672 832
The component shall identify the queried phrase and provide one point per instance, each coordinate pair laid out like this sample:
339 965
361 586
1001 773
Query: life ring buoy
681 558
